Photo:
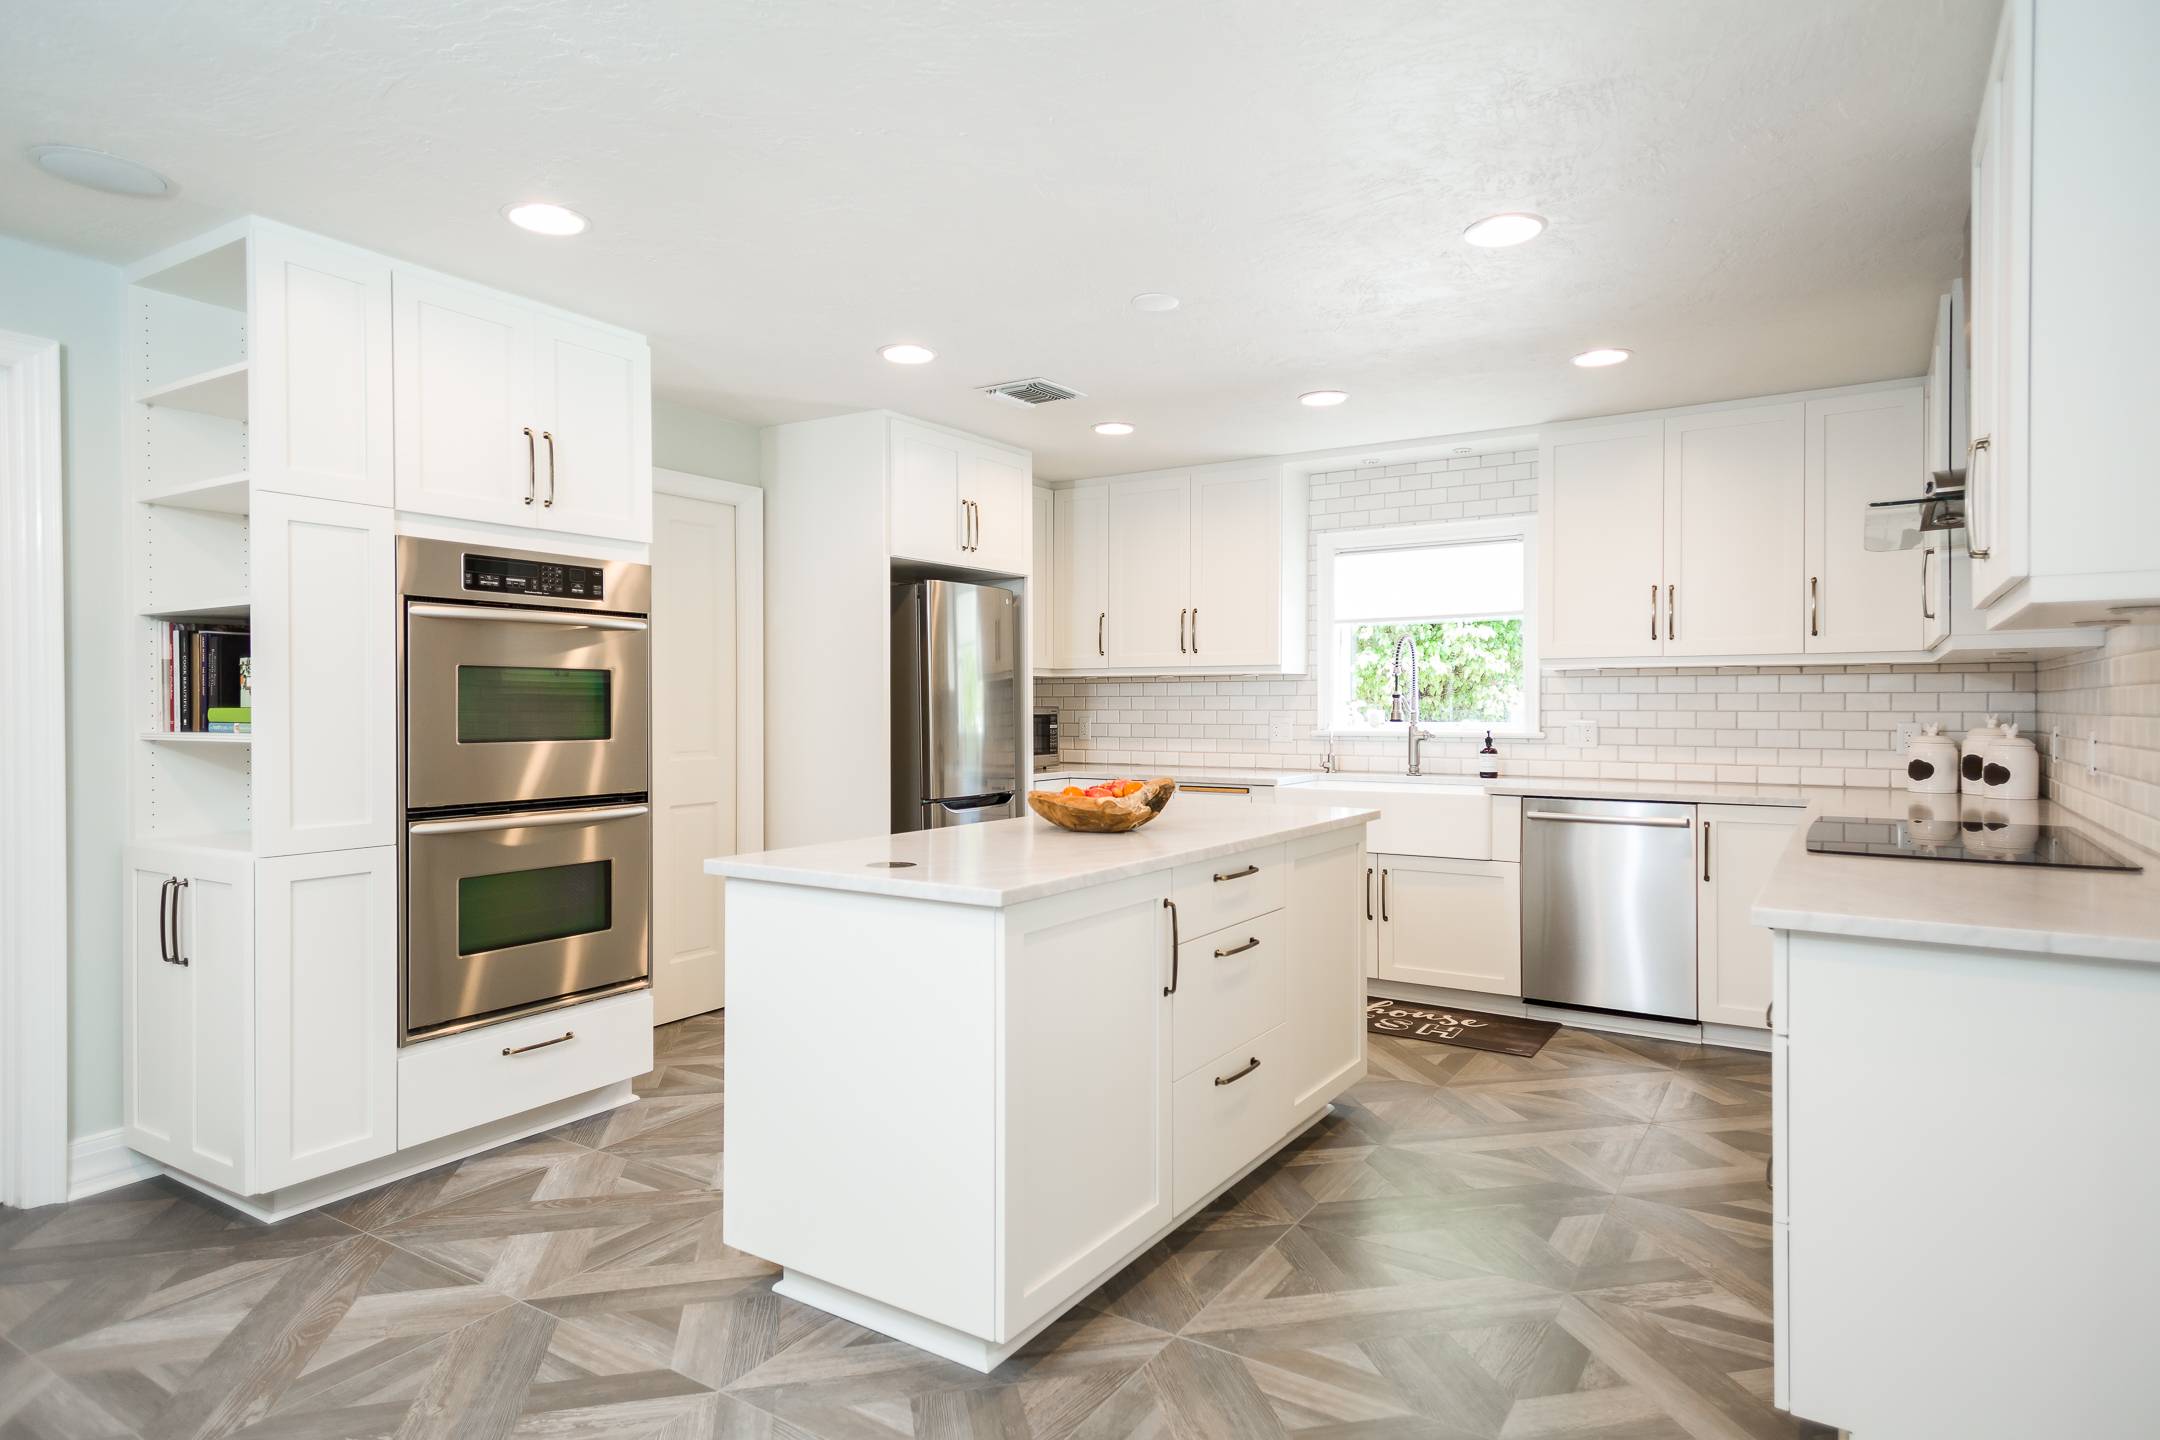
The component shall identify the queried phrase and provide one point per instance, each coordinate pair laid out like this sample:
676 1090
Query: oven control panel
503 575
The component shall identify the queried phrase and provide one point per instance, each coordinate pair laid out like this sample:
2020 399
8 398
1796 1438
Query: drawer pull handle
1171 988
1237 874
540 1044
1236 1075
1216 789
1766 1015
1251 942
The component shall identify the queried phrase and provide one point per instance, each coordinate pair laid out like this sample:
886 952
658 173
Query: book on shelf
204 668
229 720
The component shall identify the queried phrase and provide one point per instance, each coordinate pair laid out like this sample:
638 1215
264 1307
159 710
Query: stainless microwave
1046 736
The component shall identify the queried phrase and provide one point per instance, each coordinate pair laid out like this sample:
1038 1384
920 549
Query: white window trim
1334 543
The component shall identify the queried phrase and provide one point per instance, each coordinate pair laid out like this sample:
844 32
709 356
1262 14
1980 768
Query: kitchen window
1466 592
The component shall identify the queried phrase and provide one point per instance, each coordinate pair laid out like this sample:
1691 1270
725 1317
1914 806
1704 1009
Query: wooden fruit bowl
1103 816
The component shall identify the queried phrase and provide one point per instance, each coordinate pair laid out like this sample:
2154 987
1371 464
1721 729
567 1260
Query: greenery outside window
1464 592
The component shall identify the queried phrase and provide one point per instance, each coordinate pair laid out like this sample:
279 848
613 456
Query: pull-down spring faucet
1415 735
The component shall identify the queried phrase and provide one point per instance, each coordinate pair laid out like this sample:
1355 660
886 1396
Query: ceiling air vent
1037 391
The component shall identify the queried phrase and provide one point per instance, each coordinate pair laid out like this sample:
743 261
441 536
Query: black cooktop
1997 842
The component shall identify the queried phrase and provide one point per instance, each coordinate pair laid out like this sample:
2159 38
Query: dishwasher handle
1660 822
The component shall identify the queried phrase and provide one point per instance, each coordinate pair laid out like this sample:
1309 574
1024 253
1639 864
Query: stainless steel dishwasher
1608 891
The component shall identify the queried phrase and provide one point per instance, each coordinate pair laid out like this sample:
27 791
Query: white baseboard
101 1162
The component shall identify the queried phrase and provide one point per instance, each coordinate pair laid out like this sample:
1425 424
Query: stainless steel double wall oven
525 755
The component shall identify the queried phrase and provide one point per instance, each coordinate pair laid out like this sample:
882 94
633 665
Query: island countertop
1009 862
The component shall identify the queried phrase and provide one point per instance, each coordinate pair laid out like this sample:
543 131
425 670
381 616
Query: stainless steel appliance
525 755
955 704
1608 891
1049 746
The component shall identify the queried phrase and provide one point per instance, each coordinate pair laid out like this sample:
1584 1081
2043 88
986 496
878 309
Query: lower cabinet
1455 924
1740 847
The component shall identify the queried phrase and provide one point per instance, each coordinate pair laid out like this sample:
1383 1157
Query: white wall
702 442
79 303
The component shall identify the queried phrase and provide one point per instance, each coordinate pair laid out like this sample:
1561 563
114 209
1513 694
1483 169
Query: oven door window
519 704
526 907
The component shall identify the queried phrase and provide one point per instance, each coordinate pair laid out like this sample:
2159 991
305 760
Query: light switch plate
1278 728
1583 735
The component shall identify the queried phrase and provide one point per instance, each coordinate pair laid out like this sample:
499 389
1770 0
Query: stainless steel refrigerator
955 704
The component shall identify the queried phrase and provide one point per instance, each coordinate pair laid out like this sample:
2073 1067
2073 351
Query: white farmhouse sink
1449 816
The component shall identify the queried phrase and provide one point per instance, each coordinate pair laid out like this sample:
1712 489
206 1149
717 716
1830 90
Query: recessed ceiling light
1495 231
1323 397
907 354
101 171
1154 301
1113 427
542 218
1591 359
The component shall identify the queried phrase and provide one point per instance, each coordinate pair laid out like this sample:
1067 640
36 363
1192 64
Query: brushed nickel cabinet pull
1814 606
1251 942
549 436
539 1044
963 525
532 467
1196 630
1672 612
1653 612
1221 876
1236 1075
1102 618
1171 906
1927 594
1181 649
1766 1013
1973 507
1216 789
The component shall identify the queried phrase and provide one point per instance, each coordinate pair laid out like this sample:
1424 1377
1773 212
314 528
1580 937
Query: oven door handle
528 819
524 617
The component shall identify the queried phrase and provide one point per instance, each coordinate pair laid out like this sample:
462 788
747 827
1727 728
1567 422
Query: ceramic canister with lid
1931 763
1976 740
2010 767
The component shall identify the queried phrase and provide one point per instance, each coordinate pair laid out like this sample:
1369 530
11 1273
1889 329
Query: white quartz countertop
1009 862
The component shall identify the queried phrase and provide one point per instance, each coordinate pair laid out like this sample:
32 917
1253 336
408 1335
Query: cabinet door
1734 548
1861 448
1151 573
1934 593
325 1013
593 393
1324 956
1042 591
1080 570
997 484
927 521
1452 923
2001 311
323 664
157 1047
319 403
1236 570
1603 571
462 372
1741 845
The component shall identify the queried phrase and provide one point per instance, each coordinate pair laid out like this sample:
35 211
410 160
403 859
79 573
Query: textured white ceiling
1755 195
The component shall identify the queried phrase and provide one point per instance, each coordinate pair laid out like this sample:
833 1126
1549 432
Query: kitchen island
972 1072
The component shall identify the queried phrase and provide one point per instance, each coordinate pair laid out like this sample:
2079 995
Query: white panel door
2001 313
1041 591
156 1053
468 427
1451 923
1862 448
323 665
593 393
695 770
325 1013
1150 571
998 484
1080 561
1236 569
319 403
1741 845
1734 545
927 520
1603 519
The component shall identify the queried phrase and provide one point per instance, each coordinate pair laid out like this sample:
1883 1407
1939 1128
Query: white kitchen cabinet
1079 577
1324 968
1602 513
1042 609
1150 573
1236 588
1455 924
187 1065
1733 518
514 414
325 1014
1996 474
1740 846
959 501
319 386
999 485
1860 449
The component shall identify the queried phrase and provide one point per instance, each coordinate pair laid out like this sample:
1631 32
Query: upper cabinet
2065 202
512 413
1603 580
1861 449
319 411
960 501
1732 530
1199 570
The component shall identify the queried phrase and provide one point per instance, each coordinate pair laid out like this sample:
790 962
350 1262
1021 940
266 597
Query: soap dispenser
1488 760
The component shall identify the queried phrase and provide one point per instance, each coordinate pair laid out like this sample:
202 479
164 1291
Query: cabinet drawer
1227 1112
1215 893
453 1084
1230 987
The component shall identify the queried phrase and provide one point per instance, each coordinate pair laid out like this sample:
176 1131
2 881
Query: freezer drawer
1608 896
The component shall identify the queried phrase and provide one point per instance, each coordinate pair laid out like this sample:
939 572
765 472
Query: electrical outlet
1278 728
1583 735
1906 734
1076 727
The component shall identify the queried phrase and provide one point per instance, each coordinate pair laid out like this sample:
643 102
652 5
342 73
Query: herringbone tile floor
1575 1245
